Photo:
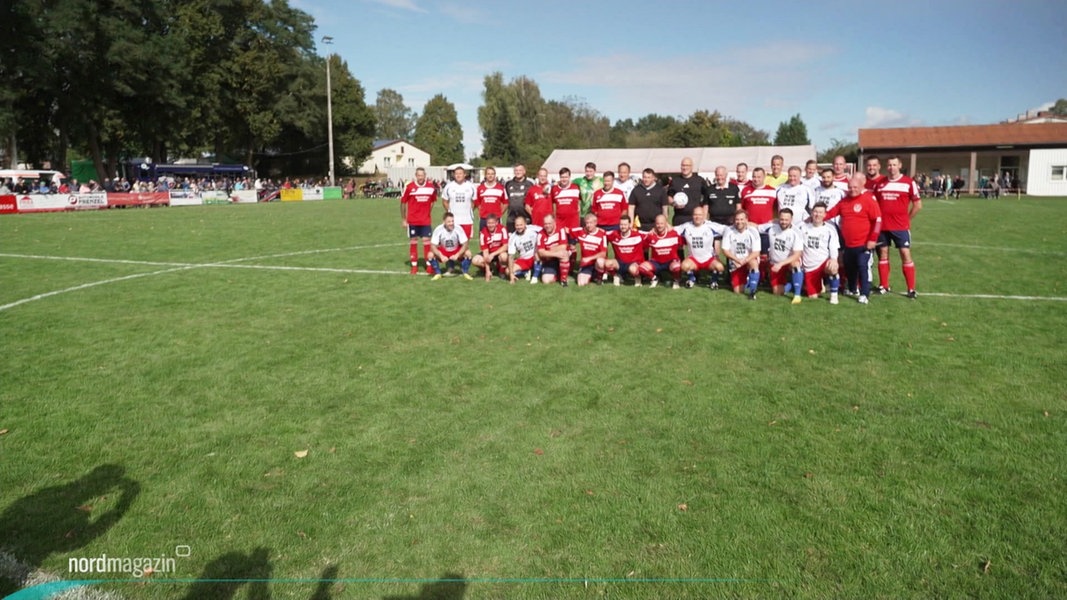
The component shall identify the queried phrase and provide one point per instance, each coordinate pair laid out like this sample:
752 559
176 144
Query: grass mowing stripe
92 284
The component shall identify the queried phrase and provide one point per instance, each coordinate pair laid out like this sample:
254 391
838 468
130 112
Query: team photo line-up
794 230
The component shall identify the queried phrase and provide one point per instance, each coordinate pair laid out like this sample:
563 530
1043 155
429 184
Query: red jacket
861 219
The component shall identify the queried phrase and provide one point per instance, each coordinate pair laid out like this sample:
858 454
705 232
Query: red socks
909 275
883 273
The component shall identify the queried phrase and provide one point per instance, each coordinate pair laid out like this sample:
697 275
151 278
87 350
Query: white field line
232 264
995 248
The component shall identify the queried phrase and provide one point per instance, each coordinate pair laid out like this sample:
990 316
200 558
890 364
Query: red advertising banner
8 205
139 199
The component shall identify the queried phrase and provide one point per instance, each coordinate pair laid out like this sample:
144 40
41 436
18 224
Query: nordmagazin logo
138 566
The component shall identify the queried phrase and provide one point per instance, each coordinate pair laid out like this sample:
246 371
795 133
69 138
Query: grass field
522 441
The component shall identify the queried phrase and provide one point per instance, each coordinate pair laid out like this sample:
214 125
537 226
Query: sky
841 65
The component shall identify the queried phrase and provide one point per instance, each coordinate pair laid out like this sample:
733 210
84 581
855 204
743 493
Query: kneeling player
628 245
663 244
553 253
522 251
493 241
741 245
449 244
702 238
593 243
786 245
819 259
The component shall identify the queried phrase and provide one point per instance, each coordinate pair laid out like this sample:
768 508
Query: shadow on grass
450 587
236 566
62 518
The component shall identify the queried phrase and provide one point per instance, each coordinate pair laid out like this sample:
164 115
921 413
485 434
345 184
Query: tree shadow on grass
63 518
449 587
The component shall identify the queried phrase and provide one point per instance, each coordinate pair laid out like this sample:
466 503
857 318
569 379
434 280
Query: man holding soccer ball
692 186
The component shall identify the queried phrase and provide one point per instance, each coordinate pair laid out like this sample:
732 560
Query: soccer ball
680 200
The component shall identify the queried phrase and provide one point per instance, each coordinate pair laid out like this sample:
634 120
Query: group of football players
795 229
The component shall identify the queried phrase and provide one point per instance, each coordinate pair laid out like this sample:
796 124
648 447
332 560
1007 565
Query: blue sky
841 65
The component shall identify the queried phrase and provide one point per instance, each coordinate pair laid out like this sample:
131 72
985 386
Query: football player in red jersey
490 199
628 246
609 203
493 246
567 198
592 241
898 198
538 200
874 172
662 243
416 204
554 253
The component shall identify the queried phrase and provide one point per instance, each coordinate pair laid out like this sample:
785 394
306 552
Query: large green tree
438 131
395 120
792 132
1060 107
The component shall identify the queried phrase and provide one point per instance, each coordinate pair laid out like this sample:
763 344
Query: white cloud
878 117
401 4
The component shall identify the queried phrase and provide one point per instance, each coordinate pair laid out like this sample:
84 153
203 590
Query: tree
395 120
743 134
438 131
701 129
850 150
1060 107
792 132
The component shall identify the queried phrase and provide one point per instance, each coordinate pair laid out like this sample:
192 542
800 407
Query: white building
394 157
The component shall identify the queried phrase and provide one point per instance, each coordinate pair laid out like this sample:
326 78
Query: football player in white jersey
786 246
458 197
811 175
819 258
449 244
702 238
522 251
741 245
795 196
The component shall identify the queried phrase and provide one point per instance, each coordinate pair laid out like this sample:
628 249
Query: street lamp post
329 107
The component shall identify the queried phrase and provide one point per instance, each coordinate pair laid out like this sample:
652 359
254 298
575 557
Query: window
411 162
386 161
1059 173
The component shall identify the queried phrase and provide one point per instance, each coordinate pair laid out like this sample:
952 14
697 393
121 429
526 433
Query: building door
1009 171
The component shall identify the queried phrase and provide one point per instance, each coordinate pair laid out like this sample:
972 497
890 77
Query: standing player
588 186
776 177
663 244
828 191
722 199
628 246
449 244
874 173
741 180
539 199
490 198
553 253
787 244
609 203
759 202
841 177
795 196
819 258
648 201
702 239
516 188
624 181
741 246
416 203
861 222
811 175
898 199
592 241
522 251
567 198
493 246
694 188
458 200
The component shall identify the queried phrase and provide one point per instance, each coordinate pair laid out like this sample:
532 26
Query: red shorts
703 265
782 277
456 255
813 279
567 223
467 229
739 277
524 264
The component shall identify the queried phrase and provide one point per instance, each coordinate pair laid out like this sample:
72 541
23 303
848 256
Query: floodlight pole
329 107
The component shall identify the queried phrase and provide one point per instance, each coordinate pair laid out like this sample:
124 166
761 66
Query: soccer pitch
264 390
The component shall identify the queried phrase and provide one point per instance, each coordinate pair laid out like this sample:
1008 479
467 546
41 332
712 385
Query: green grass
502 434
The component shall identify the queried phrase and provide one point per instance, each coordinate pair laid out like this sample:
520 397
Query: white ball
680 200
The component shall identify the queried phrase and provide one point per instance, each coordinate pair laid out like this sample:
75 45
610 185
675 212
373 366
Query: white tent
667 160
